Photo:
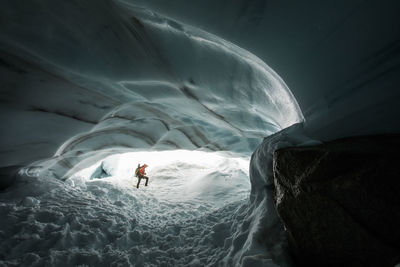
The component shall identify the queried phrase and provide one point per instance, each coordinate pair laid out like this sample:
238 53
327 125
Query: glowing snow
216 177
184 217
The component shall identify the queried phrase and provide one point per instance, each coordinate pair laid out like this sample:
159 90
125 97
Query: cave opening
213 178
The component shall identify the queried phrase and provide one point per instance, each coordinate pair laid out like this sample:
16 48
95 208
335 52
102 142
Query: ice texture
340 59
129 78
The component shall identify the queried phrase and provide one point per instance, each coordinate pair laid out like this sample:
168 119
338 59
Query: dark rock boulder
340 201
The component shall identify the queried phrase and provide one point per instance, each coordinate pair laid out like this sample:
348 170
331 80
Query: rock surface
340 201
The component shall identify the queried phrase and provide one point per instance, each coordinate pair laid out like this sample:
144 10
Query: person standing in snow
141 173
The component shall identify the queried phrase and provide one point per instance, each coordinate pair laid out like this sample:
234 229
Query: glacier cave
270 130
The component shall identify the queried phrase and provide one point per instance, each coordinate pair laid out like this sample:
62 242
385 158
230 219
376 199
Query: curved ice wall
339 58
95 75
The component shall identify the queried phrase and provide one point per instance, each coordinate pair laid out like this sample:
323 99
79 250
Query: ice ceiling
130 78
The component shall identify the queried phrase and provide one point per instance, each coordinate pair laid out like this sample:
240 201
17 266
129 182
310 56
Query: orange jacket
142 171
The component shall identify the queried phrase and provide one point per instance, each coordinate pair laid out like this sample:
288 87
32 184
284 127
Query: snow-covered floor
184 217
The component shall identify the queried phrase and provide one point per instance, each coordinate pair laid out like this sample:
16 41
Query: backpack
137 170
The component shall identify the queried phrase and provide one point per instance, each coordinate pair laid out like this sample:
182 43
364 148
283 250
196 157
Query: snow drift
183 217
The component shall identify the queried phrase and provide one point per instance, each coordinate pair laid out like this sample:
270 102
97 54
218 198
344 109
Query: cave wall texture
339 58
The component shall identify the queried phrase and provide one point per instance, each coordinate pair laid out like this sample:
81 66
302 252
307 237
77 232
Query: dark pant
140 178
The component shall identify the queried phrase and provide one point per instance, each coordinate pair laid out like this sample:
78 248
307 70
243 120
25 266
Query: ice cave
270 130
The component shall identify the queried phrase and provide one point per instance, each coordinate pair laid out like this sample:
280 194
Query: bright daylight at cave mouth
194 178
